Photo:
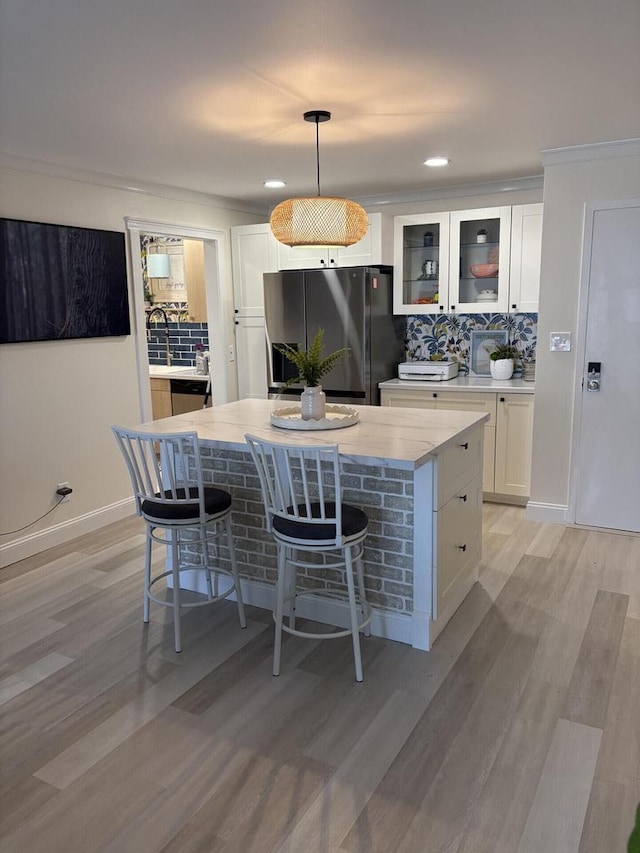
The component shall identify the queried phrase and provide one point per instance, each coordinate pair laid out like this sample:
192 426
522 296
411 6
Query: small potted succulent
311 366
502 361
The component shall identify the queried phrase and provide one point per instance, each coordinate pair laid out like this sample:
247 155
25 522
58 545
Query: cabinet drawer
467 402
459 531
160 385
406 399
458 464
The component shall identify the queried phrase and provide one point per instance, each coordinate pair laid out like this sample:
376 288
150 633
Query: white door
608 458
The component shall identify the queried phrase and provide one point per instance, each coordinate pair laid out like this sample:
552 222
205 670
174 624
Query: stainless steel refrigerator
354 306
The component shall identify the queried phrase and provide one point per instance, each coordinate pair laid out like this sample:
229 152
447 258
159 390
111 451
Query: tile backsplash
449 335
183 338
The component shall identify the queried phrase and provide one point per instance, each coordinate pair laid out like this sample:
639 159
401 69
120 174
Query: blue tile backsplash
183 338
449 335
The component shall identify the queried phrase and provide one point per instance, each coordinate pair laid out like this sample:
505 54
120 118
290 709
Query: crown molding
120 182
595 151
533 182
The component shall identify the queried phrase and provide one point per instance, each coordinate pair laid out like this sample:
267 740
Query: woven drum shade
319 221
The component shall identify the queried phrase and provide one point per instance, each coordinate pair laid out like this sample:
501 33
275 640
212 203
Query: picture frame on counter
482 345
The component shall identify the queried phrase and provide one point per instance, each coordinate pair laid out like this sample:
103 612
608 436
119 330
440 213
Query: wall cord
35 521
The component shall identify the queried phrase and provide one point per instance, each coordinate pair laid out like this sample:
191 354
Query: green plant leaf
502 351
309 363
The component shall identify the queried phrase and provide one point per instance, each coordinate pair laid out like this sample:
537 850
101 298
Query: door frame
215 275
590 211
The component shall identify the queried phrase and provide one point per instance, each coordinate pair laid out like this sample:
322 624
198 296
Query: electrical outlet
232 354
60 487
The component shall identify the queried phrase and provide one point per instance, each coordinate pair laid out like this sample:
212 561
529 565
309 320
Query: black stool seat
354 521
215 501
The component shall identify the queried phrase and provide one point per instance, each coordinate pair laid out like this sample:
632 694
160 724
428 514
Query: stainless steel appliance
188 395
354 307
428 371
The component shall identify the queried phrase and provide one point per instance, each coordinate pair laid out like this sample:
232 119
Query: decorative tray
336 417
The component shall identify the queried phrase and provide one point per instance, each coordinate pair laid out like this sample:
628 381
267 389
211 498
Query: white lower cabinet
514 425
457 526
418 399
251 357
507 433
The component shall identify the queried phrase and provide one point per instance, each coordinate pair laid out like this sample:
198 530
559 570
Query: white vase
313 403
502 368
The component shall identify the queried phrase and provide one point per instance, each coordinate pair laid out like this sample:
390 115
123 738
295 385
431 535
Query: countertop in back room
163 371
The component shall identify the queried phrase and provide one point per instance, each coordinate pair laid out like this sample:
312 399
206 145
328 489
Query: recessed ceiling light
274 184
437 161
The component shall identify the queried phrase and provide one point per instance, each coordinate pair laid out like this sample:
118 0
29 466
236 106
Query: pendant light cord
318 151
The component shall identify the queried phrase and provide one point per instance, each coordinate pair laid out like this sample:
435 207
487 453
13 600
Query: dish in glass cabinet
483 270
487 296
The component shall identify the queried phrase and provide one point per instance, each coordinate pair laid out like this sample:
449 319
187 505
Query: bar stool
168 486
302 496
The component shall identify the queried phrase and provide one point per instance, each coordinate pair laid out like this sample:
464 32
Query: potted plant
502 361
311 366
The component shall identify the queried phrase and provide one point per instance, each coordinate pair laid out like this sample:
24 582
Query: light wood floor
518 733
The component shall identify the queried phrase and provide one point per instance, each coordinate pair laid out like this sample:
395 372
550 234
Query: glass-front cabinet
479 260
452 262
421 264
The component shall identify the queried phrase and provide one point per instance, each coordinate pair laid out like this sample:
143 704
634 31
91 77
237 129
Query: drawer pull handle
502 399
462 547
465 446
462 497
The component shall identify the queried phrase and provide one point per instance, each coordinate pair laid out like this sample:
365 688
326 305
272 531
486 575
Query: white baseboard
385 623
553 513
34 543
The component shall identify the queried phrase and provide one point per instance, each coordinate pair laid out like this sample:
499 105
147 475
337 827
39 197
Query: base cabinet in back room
176 397
507 434
161 399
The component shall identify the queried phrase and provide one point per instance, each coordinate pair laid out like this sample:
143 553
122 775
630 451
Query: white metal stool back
167 481
302 496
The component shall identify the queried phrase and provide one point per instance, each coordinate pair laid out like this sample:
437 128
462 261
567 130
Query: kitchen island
418 476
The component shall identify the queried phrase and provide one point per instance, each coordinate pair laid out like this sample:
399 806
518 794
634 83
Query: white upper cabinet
375 249
468 261
253 252
421 264
526 250
479 260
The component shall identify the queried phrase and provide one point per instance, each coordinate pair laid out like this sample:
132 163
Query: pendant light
318 220
158 266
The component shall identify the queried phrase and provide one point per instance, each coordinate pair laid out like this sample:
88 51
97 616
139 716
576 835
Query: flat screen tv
59 282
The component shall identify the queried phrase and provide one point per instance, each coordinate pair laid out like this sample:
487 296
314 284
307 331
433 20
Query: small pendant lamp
318 220
158 266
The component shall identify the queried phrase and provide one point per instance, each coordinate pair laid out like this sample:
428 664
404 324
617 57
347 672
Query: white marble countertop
464 383
164 371
391 436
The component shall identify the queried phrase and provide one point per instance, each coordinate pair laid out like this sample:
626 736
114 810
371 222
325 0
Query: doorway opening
179 306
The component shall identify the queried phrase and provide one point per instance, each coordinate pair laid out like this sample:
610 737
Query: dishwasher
187 395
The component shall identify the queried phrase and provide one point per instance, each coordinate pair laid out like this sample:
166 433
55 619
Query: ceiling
208 95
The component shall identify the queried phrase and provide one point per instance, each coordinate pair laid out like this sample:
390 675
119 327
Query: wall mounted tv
59 282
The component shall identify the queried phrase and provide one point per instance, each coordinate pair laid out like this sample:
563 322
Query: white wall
568 187
59 398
